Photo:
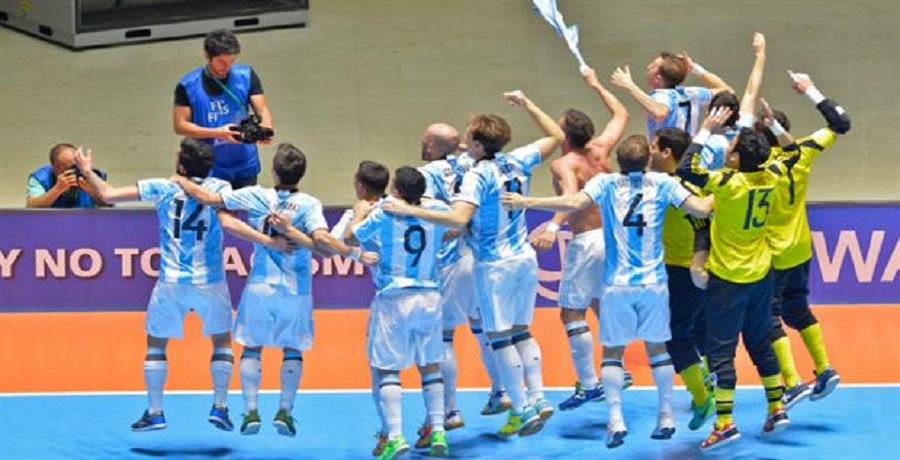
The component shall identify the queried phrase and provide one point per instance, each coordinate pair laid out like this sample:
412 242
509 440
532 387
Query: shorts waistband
597 232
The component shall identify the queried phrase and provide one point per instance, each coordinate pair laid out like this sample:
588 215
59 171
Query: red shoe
719 437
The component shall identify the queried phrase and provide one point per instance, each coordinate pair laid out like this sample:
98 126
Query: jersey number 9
414 243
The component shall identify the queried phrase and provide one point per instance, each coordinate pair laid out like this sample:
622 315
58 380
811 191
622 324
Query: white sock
613 378
488 358
530 354
251 373
389 392
448 373
220 367
376 398
291 372
664 376
155 378
509 368
433 393
582 345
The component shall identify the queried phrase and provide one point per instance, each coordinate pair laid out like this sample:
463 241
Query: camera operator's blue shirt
232 161
43 179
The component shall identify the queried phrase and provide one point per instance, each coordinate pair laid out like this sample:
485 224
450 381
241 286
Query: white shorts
271 316
507 290
170 302
582 279
459 297
405 328
632 313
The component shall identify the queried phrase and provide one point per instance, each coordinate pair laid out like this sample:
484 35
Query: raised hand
84 159
767 114
801 82
716 119
621 77
590 77
759 43
516 98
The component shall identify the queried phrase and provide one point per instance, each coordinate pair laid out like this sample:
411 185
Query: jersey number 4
635 220
414 243
193 223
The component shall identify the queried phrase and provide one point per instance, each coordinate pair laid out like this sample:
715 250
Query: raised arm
554 135
621 77
197 192
690 168
614 127
566 203
709 79
835 115
754 83
106 192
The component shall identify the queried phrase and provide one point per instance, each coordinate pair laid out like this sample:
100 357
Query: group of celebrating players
700 237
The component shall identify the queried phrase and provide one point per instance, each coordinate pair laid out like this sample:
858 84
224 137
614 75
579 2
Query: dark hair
672 69
195 157
578 127
492 131
410 184
675 139
289 164
221 41
373 176
57 150
753 148
633 154
730 100
781 118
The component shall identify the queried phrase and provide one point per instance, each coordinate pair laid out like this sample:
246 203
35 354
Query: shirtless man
584 156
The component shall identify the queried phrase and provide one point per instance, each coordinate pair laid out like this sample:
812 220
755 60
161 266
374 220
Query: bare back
583 164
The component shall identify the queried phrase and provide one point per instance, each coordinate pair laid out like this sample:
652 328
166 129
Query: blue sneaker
826 382
498 403
149 422
218 416
775 422
582 396
544 408
795 394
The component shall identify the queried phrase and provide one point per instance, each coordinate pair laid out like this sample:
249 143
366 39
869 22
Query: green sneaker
524 424
439 447
395 448
251 423
702 413
284 423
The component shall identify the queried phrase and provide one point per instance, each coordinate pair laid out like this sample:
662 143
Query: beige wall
366 76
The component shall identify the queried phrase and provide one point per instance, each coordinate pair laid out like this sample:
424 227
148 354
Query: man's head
62 157
729 100
782 120
289 165
221 48
438 141
486 135
371 180
633 154
195 158
667 149
578 127
749 150
409 184
666 71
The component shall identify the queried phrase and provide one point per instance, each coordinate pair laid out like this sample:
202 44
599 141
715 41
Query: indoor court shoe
497 404
581 396
424 433
218 416
700 414
826 382
775 422
453 420
665 428
394 448
544 409
795 394
251 423
720 437
532 421
284 423
439 447
382 440
615 435
149 422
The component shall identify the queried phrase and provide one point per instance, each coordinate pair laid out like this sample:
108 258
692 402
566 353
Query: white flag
551 14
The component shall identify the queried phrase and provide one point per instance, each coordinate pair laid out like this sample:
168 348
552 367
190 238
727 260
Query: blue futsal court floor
855 422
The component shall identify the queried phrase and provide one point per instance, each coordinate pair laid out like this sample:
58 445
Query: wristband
698 70
552 227
355 253
775 127
745 121
702 136
814 95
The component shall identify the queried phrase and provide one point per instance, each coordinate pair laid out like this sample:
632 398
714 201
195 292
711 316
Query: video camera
250 132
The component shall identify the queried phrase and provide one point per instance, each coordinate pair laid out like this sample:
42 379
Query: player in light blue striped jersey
636 299
405 323
191 276
276 307
506 269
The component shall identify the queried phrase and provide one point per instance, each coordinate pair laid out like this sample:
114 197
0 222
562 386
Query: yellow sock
782 349
774 391
724 406
815 343
693 380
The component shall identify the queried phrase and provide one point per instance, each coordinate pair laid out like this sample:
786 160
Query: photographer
59 184
211 104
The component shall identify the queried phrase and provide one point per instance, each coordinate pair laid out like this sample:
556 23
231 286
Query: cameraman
59 184
212 100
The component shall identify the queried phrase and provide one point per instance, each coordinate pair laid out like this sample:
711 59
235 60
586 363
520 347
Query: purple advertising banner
106 260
